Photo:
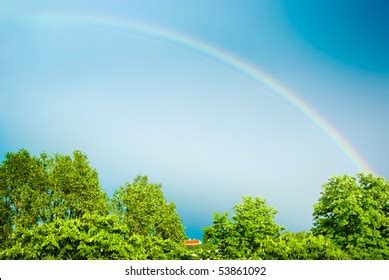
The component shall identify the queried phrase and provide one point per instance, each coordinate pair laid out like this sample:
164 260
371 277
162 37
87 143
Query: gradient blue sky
138 104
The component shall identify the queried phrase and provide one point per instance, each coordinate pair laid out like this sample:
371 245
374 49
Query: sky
148 100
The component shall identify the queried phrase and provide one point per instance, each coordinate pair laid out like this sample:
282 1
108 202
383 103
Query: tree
143 208
37 190
353 212
74 187
23 190
90 237
246 235
303 246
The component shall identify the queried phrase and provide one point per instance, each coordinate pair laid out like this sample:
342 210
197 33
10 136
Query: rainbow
221 55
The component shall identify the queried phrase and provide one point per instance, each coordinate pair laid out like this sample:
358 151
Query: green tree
303 246
74 187
5 218
37 190
353 212
246 236
143 208
90 237
23 190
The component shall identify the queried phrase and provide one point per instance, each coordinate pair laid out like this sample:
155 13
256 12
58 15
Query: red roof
192 242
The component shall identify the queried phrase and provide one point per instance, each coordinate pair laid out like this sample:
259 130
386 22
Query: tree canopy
37 190
88 238
53 207
143 208
353 212
252 233
304 246
246 234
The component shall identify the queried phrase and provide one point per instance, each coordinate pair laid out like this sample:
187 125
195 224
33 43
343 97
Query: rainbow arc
223 56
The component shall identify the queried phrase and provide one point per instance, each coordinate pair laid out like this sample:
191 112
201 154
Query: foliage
23 190
143 208
89 237
207 251
247 234
353 212
74 187
37 190
53 207
82 238
156 248
303 246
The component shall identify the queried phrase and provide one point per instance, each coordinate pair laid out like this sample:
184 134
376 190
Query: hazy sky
141 104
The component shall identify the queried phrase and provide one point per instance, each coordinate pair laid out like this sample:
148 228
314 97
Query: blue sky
139 104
